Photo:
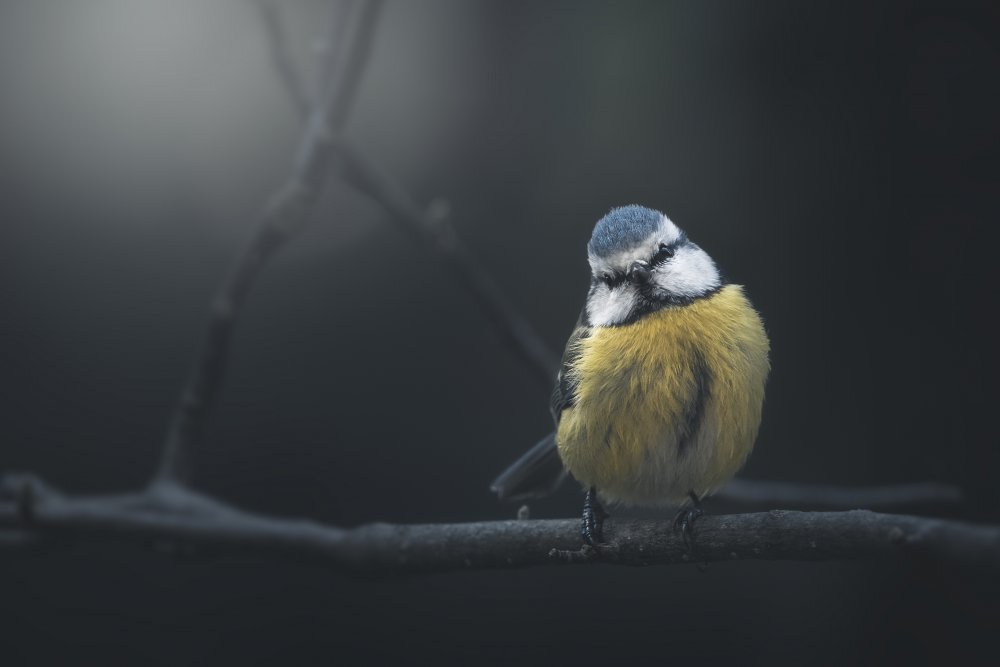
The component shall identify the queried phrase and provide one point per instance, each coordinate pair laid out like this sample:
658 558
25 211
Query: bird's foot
591 528
684 522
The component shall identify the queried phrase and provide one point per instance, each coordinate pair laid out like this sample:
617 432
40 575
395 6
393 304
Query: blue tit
659 397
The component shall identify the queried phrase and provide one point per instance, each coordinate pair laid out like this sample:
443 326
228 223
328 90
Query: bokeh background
842 160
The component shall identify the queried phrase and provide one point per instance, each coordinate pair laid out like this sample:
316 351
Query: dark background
842 160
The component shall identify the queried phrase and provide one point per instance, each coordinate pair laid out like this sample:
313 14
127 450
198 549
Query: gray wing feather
537 473
564 393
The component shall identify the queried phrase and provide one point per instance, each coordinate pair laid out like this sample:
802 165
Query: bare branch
286 213
172 515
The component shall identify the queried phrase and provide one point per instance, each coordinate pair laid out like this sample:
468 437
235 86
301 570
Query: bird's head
640 261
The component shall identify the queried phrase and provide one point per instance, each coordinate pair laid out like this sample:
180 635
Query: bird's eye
613 279
663 254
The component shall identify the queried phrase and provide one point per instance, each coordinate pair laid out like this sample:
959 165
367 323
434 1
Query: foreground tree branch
173 516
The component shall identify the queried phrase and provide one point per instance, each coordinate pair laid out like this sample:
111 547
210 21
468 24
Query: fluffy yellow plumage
669 403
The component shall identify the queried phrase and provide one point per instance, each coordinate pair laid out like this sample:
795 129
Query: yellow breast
668 404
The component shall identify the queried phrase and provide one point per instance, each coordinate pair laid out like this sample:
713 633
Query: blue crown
622 228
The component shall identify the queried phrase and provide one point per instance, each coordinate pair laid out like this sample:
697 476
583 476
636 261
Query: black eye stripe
613 279
663 254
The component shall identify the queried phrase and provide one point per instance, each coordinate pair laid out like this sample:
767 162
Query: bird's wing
535 474
564 393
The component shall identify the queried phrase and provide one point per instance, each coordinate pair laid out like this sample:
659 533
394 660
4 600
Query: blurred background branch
281 59
923 498
347 52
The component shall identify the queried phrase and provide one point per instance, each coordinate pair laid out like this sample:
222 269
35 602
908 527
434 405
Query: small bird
659 397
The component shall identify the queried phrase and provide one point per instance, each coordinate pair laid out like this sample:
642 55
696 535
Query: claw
591 528
684 522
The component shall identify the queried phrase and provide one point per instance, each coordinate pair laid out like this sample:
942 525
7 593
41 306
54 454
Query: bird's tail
536 474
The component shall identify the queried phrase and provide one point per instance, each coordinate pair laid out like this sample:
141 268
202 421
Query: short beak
638 273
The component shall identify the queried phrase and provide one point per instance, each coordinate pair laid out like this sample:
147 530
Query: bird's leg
684 521
593 518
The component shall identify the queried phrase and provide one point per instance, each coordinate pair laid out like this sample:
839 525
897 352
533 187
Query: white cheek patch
607 307
689 273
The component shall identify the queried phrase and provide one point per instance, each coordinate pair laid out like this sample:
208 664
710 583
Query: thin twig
271 18
181 518
283 217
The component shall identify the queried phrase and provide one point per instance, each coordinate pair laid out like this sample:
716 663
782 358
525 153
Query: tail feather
537 473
